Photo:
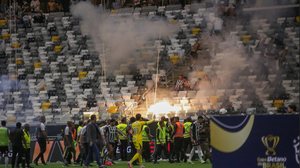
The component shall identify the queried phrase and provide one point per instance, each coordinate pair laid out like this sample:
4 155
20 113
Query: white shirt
43 127
82 131
67 130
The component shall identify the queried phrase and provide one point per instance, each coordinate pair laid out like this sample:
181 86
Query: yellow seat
278 103
113 11
19 61
3 22
15 45
173 21
55 38
57 49
112 109
196 31
246 39
46 105
298 19
82 74
37 65
174 59
5 36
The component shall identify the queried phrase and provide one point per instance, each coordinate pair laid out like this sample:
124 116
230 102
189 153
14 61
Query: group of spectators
36 6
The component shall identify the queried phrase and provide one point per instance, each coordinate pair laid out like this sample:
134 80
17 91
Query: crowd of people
98 141
46 6
36 6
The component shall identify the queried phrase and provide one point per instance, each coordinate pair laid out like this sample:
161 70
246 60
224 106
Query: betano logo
270 142
226 141
297 149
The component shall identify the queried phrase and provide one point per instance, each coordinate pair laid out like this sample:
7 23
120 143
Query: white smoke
121 35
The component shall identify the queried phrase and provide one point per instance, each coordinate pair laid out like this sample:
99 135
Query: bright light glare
163 107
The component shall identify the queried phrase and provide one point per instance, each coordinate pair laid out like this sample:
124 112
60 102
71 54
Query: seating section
268 85
50 68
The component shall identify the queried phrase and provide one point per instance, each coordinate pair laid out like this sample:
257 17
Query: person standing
170 133
187 143
17 147
79 128
41 135
84 146
196 130
4 142
146 140
93 136
130 136
205 140
122 127
160 140
68 141
111 133
178 139
137 139
26 145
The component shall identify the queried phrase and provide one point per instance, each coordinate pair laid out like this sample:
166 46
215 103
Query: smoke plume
121 36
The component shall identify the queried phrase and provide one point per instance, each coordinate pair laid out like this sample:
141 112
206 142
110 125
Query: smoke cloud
121 36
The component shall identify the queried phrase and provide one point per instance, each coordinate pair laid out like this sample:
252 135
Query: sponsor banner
55 151
261 141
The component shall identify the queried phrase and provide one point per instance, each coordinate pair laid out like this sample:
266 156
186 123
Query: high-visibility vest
162 135
122 127
187 128
144 134
79 129
4 140
27 140
171 131
167 131
179 130
164 129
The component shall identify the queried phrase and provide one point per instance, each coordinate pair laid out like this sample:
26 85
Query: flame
163 107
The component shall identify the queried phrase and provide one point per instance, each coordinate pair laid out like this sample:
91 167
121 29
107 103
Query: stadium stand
48 67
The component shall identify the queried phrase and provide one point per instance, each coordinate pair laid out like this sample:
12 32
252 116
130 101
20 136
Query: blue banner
261 141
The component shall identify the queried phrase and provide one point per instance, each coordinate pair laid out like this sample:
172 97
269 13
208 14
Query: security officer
26 145
146 142
122 127
187 143
160 140
178 139
80 126
4 142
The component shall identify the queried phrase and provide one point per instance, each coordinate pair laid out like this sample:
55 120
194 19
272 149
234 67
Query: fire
163 107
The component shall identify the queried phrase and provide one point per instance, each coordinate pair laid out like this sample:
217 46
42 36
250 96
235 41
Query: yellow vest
78 129
122 127
161 136
187 129
144 134
27 140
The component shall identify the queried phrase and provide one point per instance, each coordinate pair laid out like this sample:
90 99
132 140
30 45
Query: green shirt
4 139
